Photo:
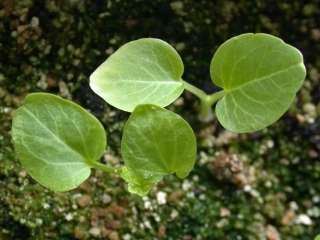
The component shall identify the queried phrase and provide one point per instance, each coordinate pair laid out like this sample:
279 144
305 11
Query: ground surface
264 185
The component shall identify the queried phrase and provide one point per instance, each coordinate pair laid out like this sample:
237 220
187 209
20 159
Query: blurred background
264 185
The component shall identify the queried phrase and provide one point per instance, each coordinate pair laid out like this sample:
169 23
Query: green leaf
145 71
317 237
260 75
137 184
56 140
155 143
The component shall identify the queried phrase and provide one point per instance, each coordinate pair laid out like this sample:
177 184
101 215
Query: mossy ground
264 185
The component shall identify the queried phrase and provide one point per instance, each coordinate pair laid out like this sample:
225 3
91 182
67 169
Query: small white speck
34 22
39 221
94 231
46 206
147 224
61 209
314 212
195 178
69 217
174 214
202 197
294 206
156 217
126 237
247 188
186 185
254 193
268 184
190 195
106 198
6 110
270 144
162 198
316 199
147 205
141 226
303 219
310 120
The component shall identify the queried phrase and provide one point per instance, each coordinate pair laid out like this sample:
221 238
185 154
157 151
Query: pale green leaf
56 140
138 184
155 143
317 237
145 71
260 75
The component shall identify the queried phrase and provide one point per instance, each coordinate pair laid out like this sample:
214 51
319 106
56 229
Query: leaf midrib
30 113
228 91
174 81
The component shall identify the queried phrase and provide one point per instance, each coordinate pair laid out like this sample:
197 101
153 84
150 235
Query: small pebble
303 219
95 231
162 198
84 201
106 198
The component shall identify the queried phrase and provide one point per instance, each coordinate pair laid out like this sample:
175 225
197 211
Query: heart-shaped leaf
156 142
56 140
145 71
260 75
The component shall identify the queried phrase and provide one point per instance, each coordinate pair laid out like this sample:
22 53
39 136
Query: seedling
58 142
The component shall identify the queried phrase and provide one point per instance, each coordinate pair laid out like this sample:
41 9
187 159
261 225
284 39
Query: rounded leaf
156 142
56 140
260 75
143 71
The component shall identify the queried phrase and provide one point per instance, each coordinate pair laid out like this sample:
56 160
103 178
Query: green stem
193 89
105 168
206 101
205 109
214 97
206 104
